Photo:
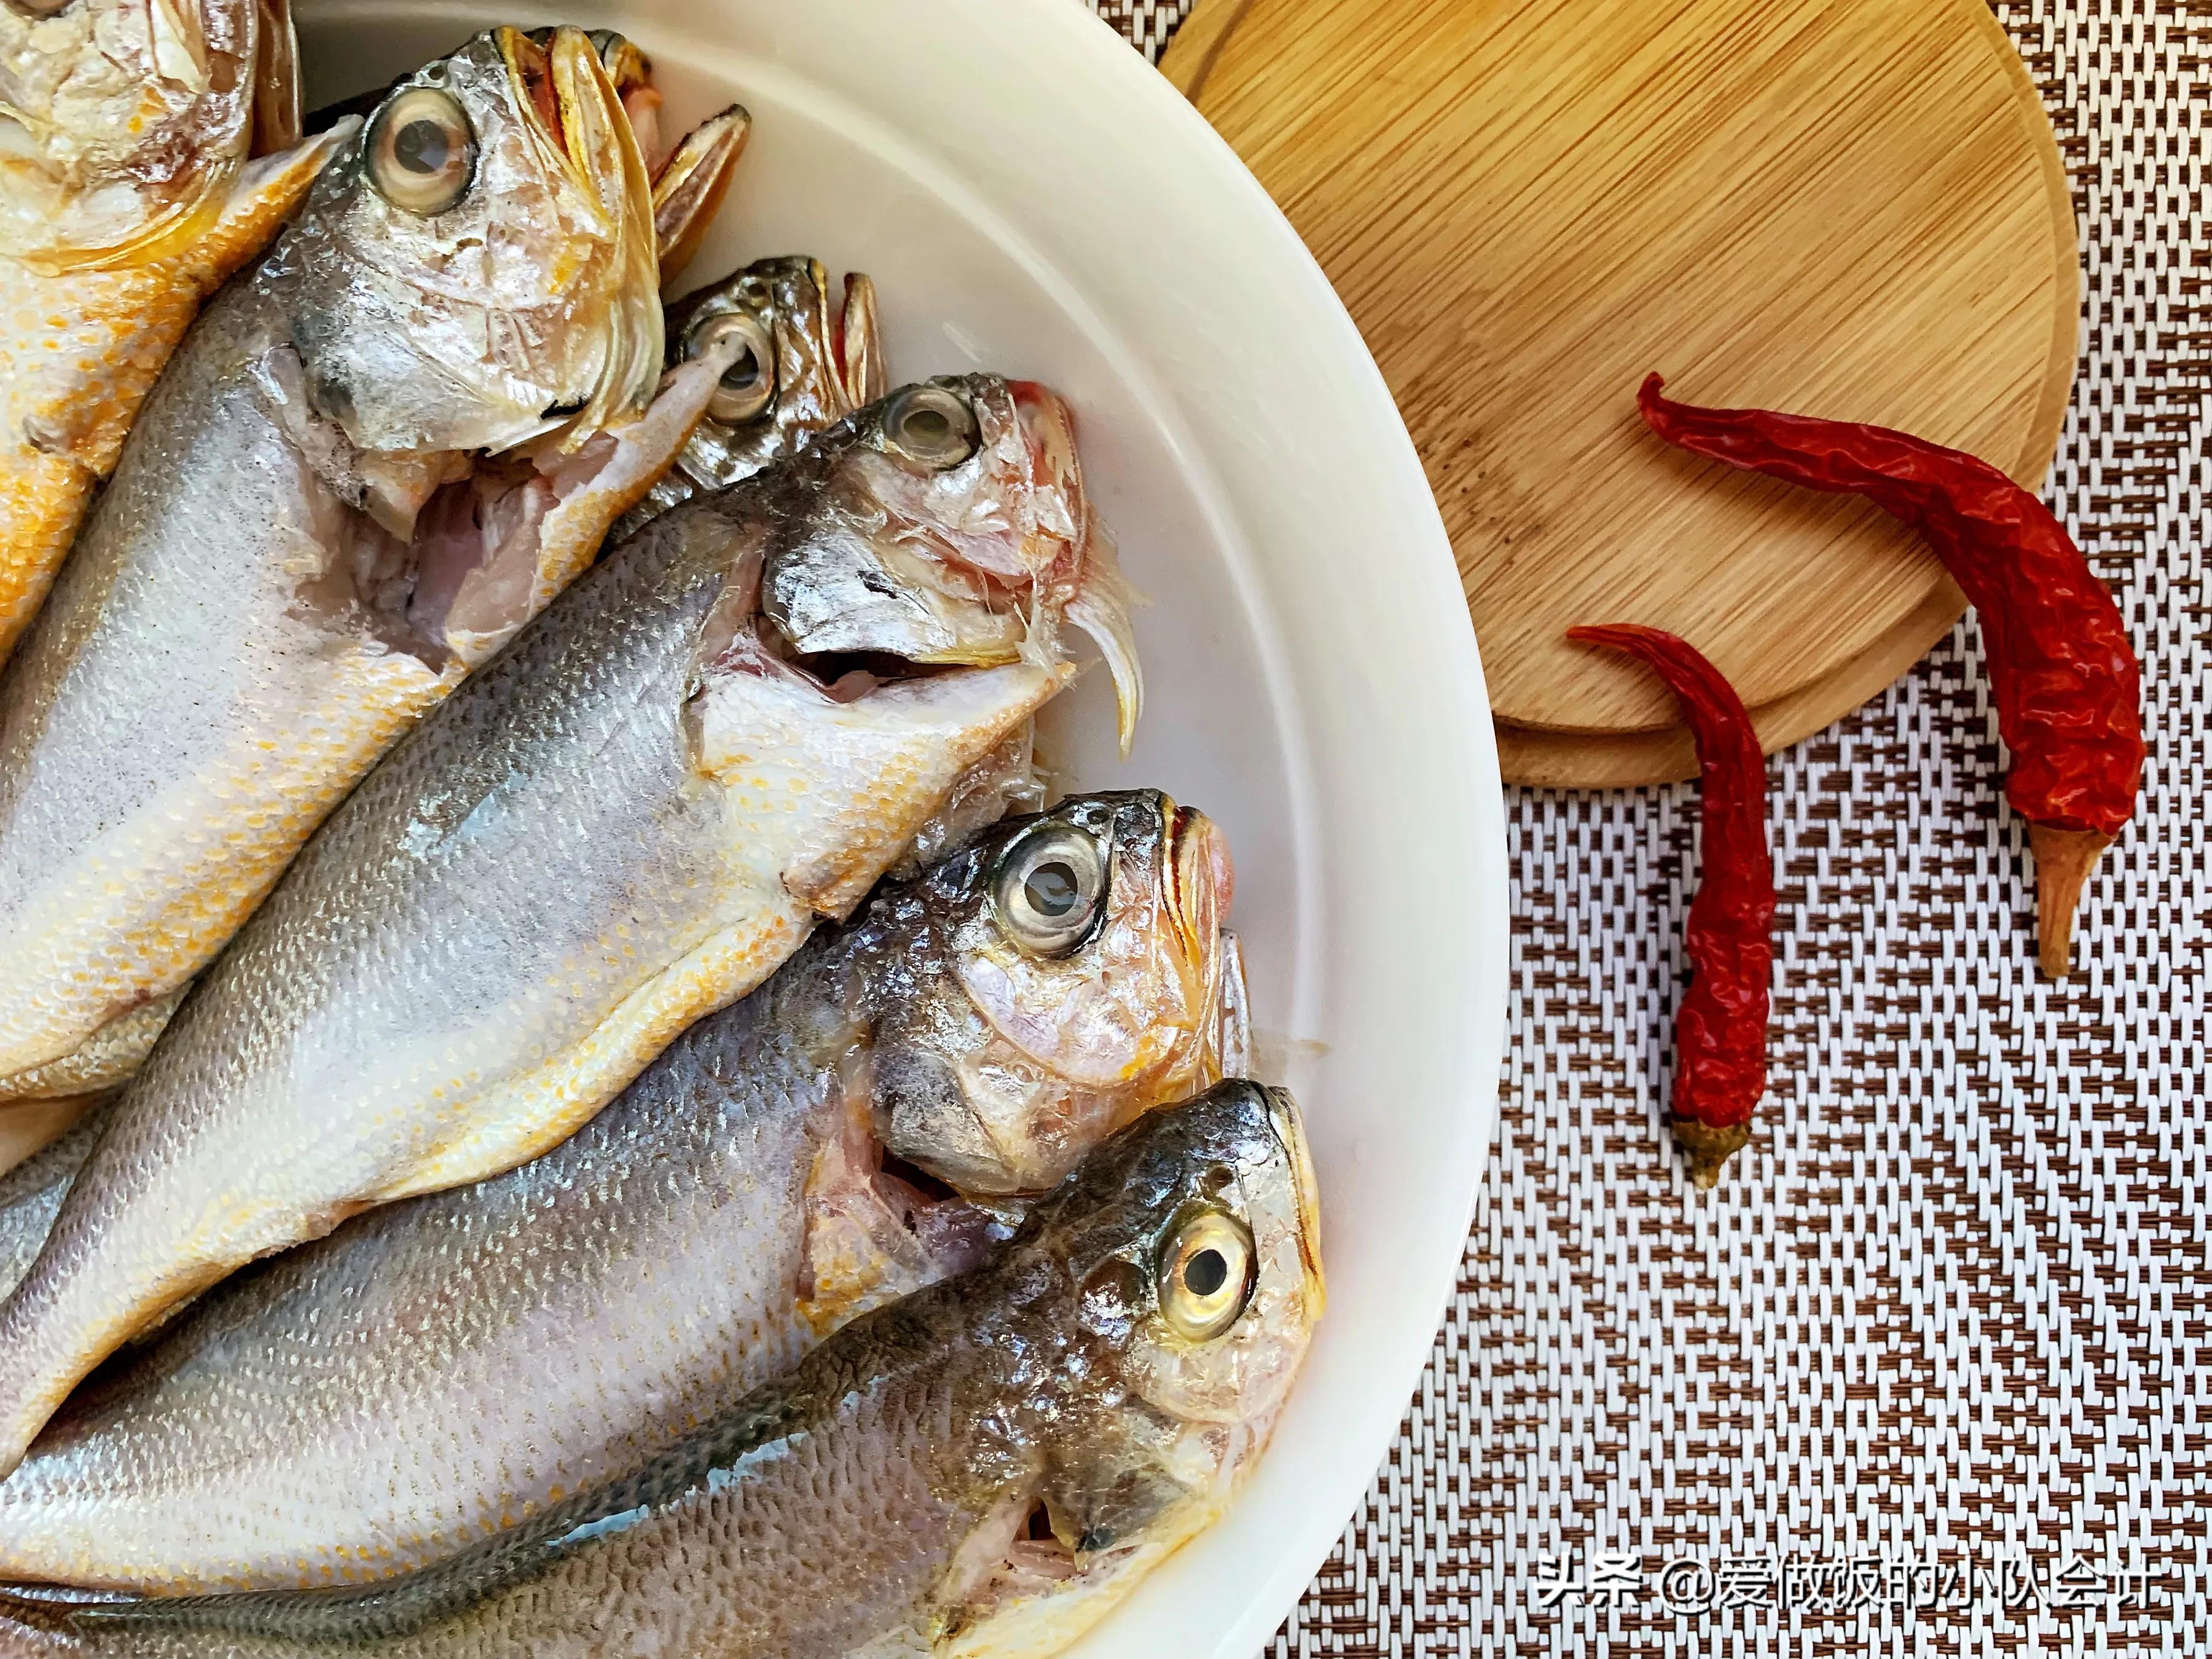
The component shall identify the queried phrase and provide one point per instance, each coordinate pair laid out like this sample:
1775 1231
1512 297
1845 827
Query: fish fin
1013 1592
77 403
596 485
152 306
1101 609
266 194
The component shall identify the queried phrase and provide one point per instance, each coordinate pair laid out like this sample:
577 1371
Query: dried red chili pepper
1720 1034
2069 688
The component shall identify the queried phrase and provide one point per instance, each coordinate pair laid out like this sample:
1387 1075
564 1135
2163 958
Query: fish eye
1049 888
747 386
1206 1275
931 427
422 150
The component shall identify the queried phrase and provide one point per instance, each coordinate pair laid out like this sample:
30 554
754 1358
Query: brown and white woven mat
1932 1371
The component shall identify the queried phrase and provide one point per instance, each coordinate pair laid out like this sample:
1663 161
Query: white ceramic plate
1032 198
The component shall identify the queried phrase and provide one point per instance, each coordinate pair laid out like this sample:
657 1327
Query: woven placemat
1932 1371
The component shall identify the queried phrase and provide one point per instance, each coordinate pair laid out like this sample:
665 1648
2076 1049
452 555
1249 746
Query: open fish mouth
691 178
1290 1131
582 121
1102 598
688 181
1200 884
1201 876
689 184
965 539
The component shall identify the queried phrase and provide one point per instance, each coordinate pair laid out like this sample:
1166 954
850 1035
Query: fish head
798 368
477 267
857 666
1058 975
1184 1257
124 122
957 530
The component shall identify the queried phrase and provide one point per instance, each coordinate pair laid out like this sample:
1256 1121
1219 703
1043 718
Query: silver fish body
628 818
307 543
982 1468
31 1193
430 1373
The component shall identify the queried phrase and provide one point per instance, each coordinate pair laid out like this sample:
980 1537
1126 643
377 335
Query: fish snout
1201 877
1289 1125
566 89
1098 600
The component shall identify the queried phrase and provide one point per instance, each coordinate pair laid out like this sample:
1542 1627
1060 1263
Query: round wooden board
1587 760
1852 208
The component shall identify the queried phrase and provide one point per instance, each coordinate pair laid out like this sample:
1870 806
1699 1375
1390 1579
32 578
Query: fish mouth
1289 1125
567 98
1101 600
981 560
1228 1037
1200 885
1201 875
857 344
689 180
277 97
689 186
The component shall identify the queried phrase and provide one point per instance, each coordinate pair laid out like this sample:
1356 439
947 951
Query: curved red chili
1720 1033
2068 686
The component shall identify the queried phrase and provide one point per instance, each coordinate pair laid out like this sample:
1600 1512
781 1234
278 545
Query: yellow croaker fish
378 1401
128 193
978 1471
724 733
374 458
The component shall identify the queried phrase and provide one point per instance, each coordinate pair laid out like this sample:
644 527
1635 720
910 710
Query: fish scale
248 620
125 204
133 781
31 1193
550 877
516 1247
873 1502
368 1403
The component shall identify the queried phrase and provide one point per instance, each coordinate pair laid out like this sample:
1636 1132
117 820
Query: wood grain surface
1851 207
